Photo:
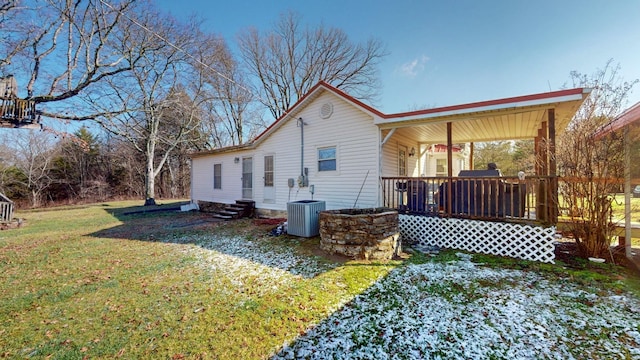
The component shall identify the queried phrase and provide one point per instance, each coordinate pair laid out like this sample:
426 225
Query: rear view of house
331 147
326 147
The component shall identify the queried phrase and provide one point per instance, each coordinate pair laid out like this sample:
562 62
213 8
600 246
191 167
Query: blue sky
452 52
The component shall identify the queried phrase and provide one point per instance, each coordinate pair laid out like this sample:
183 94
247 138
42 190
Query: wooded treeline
42 169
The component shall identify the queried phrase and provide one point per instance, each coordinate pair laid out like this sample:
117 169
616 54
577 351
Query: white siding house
339 158
352 155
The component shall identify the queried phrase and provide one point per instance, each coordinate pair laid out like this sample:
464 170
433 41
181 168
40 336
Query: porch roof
503 119
628 117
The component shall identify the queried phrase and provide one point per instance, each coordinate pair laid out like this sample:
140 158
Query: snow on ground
262 266
461 310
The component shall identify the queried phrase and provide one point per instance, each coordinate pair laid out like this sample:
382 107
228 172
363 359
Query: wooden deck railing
485 198
16 111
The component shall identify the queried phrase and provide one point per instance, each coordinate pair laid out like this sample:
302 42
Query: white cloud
414 67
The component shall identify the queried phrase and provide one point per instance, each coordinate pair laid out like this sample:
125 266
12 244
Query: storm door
269 189
247 178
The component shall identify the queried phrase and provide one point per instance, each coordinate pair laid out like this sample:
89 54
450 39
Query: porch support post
542 191
384 186
471 146
627 192
536 152
449 168
449 151
386 138
544 161
553 171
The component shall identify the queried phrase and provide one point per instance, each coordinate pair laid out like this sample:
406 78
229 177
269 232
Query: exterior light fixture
236 160
412 152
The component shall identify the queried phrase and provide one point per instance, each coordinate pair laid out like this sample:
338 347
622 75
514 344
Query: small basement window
327 159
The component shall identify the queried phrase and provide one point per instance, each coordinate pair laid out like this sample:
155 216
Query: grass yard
99 281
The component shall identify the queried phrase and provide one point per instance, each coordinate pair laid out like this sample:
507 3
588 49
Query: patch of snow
251 265
459 310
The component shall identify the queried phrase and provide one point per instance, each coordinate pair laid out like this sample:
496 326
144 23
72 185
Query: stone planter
370 234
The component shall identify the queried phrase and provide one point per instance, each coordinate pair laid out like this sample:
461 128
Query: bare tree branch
289 60
73 45
593 165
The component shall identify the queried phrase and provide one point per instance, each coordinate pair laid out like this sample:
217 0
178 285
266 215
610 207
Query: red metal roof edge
369 108
514 99
309 93
629 116
443 147
219 150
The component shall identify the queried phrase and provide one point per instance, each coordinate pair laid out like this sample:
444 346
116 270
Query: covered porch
476 192
488 197
477 208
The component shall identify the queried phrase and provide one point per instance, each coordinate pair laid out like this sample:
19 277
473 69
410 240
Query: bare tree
591 165
229 114
33 156
77 171
124 168
59 49
289 60
166 89
5 7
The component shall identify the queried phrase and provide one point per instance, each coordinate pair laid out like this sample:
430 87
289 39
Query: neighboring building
341 149
435 161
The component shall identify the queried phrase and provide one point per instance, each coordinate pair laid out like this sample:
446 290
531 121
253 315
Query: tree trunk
150 190
34 199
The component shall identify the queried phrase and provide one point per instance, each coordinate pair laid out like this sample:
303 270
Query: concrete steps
241 209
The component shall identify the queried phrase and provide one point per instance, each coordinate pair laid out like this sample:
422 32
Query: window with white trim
327 159
268 170
217 176
441 167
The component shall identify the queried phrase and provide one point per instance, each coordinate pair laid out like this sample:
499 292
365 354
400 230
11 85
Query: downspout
302 179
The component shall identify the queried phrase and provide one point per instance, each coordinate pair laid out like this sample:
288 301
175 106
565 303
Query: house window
327 159
441 167
268 170
217 176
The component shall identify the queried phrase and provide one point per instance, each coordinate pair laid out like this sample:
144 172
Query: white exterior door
269 176
247 178
402 161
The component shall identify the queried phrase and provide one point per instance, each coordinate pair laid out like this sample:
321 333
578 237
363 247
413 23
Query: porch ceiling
505 119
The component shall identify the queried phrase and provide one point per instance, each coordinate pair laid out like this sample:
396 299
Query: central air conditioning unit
303 217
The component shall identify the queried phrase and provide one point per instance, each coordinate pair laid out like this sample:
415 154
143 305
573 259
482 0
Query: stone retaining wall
360 233
209 206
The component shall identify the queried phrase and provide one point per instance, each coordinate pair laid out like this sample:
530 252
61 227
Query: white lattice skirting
496 238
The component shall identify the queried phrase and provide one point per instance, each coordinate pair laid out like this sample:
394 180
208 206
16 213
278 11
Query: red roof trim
629 116
443 148
351 99
309 93
516 99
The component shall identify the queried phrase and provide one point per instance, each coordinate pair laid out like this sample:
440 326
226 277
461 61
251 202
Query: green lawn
99 282
89 281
